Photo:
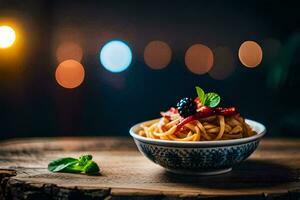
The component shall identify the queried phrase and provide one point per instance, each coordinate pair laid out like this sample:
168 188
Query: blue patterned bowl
198 157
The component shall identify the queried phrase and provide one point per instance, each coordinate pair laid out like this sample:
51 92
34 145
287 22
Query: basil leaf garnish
60 164
212 99
201 95
84 164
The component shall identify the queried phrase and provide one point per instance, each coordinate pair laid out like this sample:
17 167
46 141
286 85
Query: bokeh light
199 59
15 48
69 74
223 63
250 54
69 50
7 36
157 54
115 56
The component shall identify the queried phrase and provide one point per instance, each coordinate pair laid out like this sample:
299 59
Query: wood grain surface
272 172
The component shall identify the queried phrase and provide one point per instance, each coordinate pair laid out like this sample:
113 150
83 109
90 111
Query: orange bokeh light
157 54
250 54
13 56
69 74
223 64
199 59
69 50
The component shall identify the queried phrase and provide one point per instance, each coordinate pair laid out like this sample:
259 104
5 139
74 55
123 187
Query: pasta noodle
215 127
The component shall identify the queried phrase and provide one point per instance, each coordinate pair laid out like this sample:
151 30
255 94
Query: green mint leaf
84 159
201 94
76 168
61 164
212 99
91 168
84 164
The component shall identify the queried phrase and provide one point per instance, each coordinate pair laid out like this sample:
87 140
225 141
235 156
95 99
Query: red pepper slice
196 100
226 111
185 121
206 111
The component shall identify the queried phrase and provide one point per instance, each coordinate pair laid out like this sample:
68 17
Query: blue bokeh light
115 56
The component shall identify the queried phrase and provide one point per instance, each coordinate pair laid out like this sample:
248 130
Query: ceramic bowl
198 157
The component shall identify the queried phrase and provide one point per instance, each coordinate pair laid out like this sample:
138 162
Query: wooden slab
272 172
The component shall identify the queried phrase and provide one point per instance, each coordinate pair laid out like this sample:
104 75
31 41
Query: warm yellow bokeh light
157 54
69 74
250 54
199 59
7 36
69 50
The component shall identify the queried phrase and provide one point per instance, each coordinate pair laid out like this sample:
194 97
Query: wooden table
272 172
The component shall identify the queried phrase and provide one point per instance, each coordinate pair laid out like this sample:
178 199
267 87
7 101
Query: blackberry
186 107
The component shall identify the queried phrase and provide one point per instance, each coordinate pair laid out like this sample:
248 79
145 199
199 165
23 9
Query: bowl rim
260 128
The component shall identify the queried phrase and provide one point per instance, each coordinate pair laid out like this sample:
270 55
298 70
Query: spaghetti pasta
215 127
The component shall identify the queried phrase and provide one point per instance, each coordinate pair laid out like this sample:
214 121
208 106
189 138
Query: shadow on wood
249 174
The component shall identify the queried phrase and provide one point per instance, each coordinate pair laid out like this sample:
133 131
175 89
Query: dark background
33 104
